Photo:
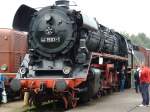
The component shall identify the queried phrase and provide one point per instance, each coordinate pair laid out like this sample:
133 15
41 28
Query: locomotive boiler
65 49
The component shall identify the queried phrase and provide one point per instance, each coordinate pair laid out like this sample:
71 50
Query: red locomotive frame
70 94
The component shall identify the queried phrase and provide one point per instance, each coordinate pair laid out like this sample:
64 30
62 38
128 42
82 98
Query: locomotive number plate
50 39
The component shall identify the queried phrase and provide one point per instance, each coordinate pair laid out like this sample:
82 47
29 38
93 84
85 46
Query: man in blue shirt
2 79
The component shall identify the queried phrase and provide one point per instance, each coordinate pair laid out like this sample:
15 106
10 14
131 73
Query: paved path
117 102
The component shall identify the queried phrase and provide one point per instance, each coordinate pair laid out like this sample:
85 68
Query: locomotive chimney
62 3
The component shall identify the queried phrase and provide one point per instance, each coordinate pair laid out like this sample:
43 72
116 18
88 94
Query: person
2 78
122 78
137 80
144 85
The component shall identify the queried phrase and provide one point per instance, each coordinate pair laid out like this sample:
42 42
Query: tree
140 39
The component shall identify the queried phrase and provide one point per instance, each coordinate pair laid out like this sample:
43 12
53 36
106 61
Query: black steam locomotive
65 45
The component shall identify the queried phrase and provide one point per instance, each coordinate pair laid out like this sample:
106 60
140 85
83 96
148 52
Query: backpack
136 76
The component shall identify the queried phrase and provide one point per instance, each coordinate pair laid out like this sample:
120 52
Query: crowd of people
142 82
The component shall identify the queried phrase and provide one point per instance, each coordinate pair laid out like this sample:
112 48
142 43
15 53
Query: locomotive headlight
23 70
66 70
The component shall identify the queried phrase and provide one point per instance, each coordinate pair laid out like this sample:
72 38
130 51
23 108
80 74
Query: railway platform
126 101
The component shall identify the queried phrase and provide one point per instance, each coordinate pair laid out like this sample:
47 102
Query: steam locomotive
72 56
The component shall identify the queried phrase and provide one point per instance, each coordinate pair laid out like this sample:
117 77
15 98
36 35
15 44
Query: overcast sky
132 16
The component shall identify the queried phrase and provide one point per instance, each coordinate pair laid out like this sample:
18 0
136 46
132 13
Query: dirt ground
126 101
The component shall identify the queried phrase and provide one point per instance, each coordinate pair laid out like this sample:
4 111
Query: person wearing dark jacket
137 80
122 78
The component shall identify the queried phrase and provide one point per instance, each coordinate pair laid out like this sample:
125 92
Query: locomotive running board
115 57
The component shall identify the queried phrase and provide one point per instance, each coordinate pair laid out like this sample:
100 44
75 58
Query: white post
4 95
